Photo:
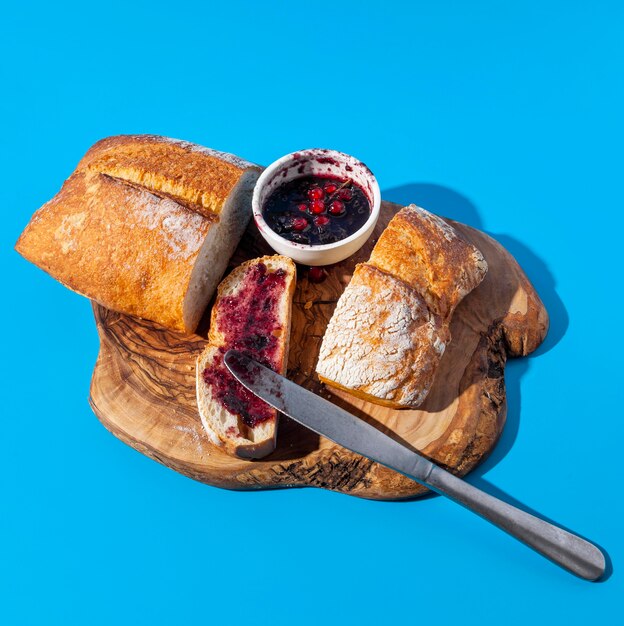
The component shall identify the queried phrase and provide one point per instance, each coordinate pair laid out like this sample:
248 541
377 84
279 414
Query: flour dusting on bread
381 339
181 228
390 327
223 156
70 225
145 225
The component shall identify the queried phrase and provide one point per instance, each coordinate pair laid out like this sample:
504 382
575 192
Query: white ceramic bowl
318 162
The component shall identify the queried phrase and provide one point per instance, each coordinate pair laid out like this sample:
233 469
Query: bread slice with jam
252 313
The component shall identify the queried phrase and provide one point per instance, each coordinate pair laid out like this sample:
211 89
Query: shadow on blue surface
478 481
449 203
444 201
437 199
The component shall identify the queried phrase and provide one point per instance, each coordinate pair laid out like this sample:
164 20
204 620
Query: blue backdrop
509 119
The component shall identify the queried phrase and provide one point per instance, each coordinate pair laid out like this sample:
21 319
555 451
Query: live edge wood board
143 386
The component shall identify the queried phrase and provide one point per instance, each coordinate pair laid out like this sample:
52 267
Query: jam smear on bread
250 322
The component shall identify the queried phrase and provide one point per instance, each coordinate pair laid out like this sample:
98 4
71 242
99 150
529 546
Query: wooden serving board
143 386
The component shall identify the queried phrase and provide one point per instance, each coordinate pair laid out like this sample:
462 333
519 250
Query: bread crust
198 178
234 446
428 254
127 227
391 325
383 342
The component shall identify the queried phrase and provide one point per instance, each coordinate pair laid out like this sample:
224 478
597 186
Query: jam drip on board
316 210
249 322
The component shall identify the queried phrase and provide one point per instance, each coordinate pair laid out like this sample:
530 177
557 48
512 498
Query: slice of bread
252 314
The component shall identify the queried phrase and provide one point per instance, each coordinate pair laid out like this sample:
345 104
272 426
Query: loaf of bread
145 225
391 325
252 313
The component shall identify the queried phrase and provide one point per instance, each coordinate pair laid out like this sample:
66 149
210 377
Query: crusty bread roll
145 225
252 313
391 325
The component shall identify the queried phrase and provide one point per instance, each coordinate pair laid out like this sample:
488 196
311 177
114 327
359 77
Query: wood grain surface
143 386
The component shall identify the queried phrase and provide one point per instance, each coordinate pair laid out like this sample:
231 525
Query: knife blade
325 418
564 548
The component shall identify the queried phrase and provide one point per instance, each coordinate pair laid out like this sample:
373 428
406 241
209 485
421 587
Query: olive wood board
143 386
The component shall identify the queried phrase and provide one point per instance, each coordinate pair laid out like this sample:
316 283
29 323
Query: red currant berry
330 187
299 223
316 275
302 207
321 220
345 194
315 193
317 206
336 207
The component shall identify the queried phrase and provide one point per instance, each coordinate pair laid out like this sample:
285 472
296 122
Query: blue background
509 119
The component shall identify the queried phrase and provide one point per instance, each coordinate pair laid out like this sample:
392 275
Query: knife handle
564 548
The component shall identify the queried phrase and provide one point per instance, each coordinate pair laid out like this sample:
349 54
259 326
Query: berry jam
316 275
249 323
316 210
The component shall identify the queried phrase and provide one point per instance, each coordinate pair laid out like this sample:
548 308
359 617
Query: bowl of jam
316 206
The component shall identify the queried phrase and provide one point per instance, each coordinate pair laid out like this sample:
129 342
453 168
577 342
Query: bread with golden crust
145 225
391 325
427 253
234 320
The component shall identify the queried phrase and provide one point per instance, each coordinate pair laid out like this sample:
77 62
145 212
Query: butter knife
560 546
